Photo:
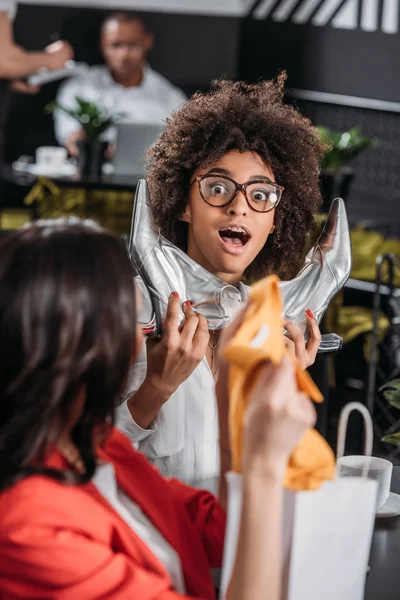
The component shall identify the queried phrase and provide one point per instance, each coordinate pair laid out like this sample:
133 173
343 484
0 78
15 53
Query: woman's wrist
158 388
261 469
146 402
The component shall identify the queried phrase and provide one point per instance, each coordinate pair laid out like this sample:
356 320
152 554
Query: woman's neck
71 453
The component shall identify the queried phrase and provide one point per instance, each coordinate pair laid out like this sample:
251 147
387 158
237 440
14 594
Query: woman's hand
277 418
58 54
174 358
20 86
305 353
170 361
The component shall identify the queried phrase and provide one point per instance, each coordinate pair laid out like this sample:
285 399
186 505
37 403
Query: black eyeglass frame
240 187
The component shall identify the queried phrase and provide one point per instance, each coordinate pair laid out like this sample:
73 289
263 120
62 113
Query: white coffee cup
51 157
371 467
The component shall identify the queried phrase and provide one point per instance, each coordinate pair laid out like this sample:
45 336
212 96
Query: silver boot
325 271
163 268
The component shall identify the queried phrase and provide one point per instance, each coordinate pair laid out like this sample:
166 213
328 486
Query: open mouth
234 238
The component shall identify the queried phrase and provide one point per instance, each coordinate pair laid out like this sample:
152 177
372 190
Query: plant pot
335 185
92 156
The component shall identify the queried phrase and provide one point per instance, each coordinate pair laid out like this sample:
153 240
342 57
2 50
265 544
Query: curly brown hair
236 115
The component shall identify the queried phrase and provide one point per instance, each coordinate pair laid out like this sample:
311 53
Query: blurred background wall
341 57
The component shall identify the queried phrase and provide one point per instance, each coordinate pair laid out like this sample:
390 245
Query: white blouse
150 102
182 441
105 481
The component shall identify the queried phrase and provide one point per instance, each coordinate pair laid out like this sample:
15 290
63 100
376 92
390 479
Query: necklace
213 349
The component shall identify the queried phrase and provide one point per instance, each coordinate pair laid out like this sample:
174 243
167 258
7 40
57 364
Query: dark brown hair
125 16
67 322
247 118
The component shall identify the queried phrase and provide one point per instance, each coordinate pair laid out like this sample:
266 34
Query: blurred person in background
16 63
126 85
82 514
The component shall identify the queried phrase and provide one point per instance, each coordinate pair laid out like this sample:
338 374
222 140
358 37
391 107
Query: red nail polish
175 294
310 313
188 303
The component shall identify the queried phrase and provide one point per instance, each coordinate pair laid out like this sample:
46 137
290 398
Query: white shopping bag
327 533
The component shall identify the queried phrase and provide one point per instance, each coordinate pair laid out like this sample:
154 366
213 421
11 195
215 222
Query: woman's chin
226 265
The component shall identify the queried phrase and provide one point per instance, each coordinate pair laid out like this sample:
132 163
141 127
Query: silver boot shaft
325 271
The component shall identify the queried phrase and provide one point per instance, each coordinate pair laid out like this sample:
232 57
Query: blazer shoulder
40 501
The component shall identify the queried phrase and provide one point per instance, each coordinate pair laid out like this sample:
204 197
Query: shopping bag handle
342 428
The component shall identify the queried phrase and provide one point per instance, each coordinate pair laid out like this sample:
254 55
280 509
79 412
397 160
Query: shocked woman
234 183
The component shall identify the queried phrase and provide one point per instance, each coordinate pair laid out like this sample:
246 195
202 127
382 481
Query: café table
103 183
113 182
383 581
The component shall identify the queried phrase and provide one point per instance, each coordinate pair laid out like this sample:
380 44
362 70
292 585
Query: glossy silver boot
163 268
325 271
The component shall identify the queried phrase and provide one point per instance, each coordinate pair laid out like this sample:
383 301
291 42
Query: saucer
391 508
66 170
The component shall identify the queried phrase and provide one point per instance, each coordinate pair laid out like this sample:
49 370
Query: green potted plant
94 122
336 170
391 392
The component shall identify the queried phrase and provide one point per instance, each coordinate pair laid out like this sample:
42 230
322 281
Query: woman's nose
238 206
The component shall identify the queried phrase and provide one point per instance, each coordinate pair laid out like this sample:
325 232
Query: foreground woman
82 515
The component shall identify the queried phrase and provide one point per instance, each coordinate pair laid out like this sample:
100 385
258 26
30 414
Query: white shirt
105 481
182 441
150 102
10 7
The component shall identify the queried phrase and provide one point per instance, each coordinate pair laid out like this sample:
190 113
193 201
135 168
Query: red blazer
68 543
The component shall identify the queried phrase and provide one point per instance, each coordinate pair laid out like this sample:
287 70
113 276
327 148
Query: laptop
133 140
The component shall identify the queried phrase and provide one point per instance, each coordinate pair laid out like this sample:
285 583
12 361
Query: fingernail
175 295
310 313
187 303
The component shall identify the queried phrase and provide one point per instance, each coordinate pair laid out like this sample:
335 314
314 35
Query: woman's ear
186 216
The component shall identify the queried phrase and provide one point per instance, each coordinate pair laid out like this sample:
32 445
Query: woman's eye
260 195
218 189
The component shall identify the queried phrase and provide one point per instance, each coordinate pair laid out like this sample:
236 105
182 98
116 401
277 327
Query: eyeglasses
262 195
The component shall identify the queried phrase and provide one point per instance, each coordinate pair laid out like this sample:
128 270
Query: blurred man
125 85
